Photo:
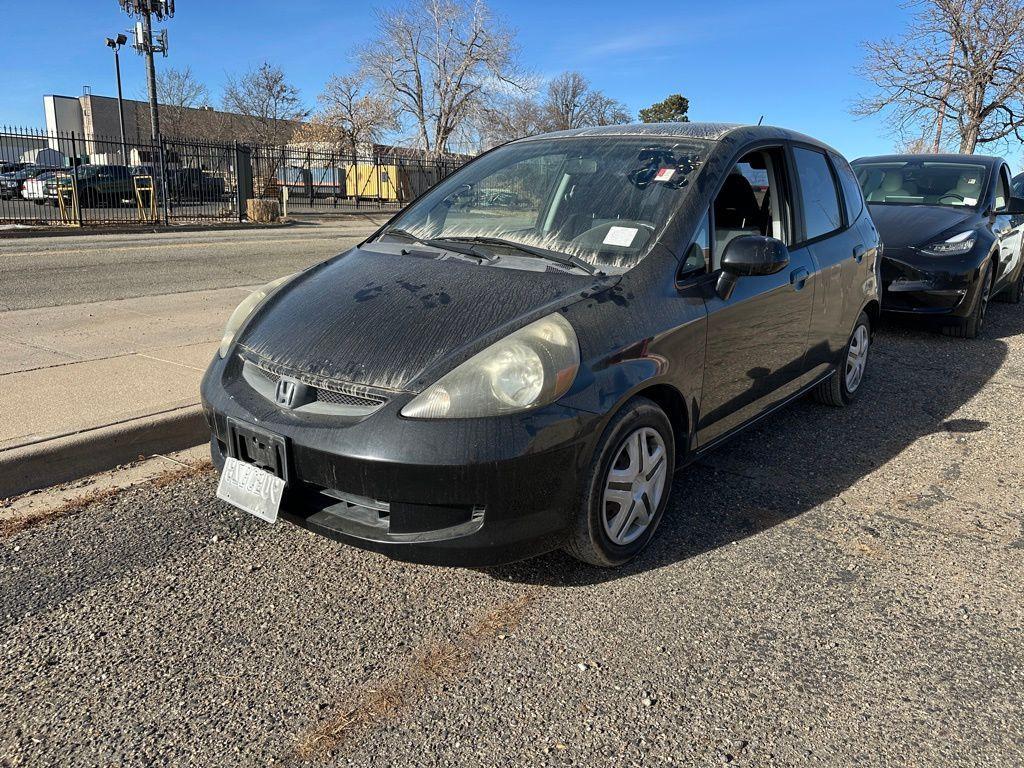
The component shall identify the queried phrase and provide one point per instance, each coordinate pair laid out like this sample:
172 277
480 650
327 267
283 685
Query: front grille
264 377
340 398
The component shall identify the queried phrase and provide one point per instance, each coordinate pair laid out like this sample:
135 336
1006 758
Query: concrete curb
141 229
85 453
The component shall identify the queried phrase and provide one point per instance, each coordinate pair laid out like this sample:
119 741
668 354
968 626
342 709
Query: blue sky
791 61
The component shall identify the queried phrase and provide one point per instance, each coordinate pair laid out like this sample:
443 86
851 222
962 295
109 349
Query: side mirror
1015 207
750 256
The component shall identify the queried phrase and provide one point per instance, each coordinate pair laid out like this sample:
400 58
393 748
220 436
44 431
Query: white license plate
251 489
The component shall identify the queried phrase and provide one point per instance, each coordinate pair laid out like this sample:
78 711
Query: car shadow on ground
808 454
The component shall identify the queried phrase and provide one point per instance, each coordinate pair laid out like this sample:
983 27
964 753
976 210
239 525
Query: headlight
954 246
529 368
243 310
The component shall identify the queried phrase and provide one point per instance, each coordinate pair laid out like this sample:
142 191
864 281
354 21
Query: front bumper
929 286
461 492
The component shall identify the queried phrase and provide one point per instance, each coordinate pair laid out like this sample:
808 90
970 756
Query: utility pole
146 10
115 43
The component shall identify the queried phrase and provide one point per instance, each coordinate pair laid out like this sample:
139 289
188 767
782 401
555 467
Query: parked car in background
12 182
474 386
34 189
98 185
10 167
952 234
183 184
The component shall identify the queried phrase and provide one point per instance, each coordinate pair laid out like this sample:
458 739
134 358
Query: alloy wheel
634 486
986 295
857 358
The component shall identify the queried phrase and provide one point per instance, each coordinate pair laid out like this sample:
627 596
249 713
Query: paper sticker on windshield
970 201
665 174
620 236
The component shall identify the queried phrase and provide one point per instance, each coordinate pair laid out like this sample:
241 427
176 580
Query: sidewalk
97 378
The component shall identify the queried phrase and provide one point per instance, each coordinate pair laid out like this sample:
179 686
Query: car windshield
922 182
596 199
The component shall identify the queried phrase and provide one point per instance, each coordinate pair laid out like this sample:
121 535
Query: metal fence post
77 207
163 181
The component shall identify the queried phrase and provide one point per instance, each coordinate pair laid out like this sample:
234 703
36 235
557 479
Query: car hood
384 319
903 226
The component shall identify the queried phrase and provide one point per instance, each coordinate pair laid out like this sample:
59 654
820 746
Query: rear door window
853 196
817 193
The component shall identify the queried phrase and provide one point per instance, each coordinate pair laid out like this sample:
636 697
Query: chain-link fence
64 178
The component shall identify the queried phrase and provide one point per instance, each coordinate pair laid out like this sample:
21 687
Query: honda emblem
285 393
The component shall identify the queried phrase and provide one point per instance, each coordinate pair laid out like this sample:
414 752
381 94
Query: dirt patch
438 661
18 522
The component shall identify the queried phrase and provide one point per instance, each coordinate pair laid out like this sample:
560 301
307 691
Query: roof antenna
761 120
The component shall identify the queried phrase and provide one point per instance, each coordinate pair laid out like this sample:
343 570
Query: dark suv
97 185
952 233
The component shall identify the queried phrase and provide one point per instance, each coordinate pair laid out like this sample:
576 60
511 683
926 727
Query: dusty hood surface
902 226
381 319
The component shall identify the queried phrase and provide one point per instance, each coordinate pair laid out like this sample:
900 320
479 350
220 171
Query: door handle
798 278
858 254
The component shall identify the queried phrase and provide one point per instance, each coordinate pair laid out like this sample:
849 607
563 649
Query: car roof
986 160
706 131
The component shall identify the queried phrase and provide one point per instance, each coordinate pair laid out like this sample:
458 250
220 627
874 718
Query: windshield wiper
444 244
542 253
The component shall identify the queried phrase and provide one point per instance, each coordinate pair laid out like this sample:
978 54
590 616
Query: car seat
892 186
967 189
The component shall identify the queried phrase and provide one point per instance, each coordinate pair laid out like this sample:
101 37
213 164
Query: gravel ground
833 588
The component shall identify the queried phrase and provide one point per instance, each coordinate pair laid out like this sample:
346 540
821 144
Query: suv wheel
841 388
973 325
627 488
1015 290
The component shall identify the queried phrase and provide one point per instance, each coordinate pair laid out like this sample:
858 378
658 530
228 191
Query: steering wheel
952 194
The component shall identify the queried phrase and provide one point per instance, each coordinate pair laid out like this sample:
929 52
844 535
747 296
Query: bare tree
959 62
440 61
509 119
177 92
270 105
572 103
349 115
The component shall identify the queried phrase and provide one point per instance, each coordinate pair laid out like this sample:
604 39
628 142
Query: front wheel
841 388
972 326
627 487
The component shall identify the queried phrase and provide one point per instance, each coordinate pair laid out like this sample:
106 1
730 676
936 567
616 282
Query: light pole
115 43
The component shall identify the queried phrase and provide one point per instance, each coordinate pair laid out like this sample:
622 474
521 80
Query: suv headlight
529 368
954 246
246 308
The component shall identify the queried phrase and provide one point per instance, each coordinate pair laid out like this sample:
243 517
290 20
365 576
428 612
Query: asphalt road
833 588
75 269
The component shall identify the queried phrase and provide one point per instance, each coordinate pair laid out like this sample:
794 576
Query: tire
841 388
1014 292
972 326
605 532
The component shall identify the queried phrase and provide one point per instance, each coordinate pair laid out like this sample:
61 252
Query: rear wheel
972 326
627 488
1015 290
841 388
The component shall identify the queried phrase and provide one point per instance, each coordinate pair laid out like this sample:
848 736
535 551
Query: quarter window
818 193
698 257
1002 192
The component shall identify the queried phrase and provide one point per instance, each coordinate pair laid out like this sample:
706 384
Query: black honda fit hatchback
521 359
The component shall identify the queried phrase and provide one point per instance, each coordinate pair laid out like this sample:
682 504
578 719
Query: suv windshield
922 182
596 199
